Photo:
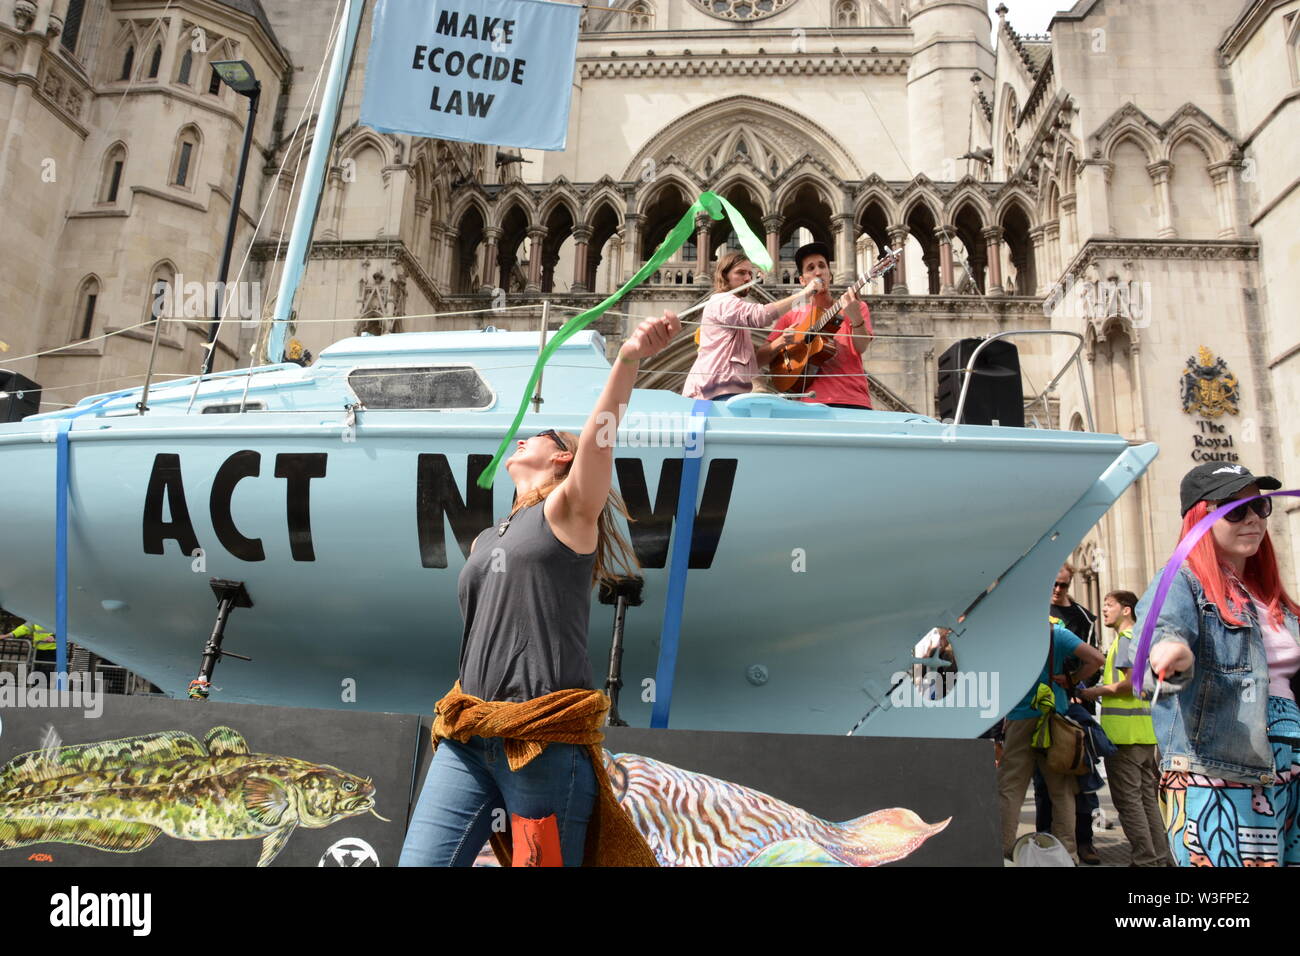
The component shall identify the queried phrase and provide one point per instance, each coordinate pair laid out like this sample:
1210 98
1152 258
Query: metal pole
231 223
546 315
295 257
615 680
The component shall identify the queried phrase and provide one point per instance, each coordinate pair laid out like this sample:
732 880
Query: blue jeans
470 788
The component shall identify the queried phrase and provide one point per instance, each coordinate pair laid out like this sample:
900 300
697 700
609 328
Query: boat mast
304 220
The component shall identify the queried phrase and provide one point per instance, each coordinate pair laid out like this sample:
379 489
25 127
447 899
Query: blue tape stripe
61 469
61 554
670 635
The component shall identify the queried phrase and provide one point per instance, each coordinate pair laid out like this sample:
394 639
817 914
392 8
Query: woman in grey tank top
525 594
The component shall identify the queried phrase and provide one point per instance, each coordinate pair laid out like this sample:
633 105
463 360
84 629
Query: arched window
127 62
846 13
155 62
640 16
187 64
161 297
111 180
214 83
186 159
84 317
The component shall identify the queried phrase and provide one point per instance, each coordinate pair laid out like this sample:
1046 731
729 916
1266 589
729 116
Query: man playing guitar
842 382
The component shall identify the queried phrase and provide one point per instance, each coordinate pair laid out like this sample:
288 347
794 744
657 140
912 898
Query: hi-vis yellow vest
1126 719
41 639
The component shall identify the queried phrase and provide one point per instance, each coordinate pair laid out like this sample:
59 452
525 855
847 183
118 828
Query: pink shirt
726 362
1282 651
843 380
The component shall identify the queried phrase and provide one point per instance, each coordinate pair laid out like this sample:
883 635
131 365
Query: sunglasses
1261 506
554 436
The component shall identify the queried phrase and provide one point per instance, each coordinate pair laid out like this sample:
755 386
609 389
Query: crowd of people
1203 767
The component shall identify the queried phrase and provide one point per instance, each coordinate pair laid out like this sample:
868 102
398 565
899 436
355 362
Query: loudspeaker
995 393
19 396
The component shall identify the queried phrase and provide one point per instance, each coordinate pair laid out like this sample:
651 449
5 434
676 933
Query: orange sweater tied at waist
564 717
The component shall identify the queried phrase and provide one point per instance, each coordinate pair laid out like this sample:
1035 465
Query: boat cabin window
444 386
232 408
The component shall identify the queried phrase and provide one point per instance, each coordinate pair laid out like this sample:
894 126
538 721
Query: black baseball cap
1218 481
811 249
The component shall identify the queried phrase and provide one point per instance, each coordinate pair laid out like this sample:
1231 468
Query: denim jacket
1212 718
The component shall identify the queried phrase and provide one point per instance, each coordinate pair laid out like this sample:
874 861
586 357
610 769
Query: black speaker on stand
995 393
19 396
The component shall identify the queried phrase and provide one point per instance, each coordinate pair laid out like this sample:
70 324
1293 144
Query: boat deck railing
1074 359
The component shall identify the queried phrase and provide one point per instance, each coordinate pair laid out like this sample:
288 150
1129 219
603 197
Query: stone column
447 259
489 269
898 240
703 265
536 239
844 262
1052 244
772 228
1036 238
946 283
171 50
421 243
1069 226
437 245
993 246
1225 198
332 203
581 236
631 243
1160 171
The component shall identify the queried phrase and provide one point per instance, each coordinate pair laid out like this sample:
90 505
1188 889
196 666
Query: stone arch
603 221
468 273
185 162
967 195
878 194
514 196
746 177
359 138
967 221
552 199
781 130
160 292
662 209
803 176
465 199
603 193
110 177
513 221
1019 270
9 56
89 290
1014 195
742 192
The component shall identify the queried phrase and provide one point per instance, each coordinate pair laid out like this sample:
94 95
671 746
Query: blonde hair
614 556
725 264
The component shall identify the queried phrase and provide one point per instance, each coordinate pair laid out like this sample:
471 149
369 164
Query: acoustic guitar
814 338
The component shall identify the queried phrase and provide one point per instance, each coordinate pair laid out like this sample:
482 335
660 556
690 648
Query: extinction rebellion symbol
350 851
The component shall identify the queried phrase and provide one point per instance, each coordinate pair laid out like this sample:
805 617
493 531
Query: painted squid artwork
692 819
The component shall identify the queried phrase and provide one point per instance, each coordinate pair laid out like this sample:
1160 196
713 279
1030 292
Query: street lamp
238 75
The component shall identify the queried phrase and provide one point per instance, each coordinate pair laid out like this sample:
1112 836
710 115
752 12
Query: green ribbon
711 203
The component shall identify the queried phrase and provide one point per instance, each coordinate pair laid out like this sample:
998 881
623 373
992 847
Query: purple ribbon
1167 579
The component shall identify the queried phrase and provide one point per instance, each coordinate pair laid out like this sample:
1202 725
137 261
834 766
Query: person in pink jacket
726 365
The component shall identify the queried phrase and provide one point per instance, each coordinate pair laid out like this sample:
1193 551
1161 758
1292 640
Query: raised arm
584 492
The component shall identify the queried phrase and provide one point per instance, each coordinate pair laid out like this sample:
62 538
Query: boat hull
823 549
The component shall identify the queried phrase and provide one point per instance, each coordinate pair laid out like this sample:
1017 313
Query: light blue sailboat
823 542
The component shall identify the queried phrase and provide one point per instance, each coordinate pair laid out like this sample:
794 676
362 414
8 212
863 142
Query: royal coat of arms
1209 389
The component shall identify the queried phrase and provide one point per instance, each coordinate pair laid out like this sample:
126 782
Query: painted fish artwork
692 819
120 795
